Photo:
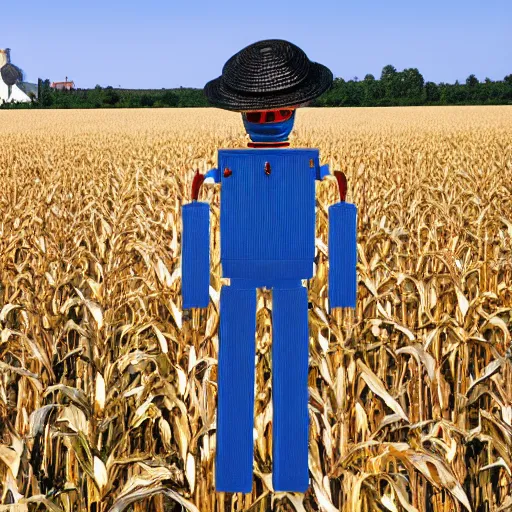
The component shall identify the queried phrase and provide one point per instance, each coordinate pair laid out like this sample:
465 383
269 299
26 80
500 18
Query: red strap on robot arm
342 184
196 184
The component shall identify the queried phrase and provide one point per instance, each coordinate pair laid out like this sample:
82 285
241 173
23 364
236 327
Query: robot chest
267 205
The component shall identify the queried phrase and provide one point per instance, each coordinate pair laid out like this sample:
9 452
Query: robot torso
267 212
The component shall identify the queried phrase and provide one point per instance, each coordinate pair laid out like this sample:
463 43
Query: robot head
269 125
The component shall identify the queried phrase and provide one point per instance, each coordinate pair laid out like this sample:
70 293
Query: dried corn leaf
376 385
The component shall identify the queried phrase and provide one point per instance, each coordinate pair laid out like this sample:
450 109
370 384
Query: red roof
70 84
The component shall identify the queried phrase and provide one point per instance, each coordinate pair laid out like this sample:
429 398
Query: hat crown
266 66
10 74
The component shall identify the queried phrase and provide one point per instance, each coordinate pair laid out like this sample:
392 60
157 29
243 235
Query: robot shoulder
213 174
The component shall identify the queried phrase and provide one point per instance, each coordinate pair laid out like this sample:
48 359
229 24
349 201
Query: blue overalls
267 233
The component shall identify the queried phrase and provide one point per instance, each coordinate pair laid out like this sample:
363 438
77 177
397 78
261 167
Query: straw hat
269 74
10 74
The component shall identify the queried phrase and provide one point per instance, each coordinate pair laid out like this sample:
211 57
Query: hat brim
318 81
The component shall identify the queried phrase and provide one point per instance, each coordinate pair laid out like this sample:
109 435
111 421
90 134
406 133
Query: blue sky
156 43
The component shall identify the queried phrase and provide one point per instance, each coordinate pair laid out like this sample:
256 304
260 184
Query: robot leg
290 344
235 407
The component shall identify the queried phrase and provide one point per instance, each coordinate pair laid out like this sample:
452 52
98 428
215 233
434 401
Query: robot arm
195 244
322 171
342 246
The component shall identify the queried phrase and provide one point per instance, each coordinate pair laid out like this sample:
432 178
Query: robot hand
342 284
195 243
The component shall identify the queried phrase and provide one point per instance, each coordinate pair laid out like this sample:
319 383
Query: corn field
108 389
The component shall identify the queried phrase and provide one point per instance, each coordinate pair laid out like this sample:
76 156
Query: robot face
269 125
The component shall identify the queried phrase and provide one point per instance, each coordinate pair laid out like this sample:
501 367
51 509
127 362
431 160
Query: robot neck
268 144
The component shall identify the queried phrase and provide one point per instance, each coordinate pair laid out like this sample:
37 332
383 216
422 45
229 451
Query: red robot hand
342 184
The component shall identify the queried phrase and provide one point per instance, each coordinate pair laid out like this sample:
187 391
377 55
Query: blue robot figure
267 232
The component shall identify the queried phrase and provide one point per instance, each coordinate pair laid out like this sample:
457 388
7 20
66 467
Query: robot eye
285 113
253 117
270 117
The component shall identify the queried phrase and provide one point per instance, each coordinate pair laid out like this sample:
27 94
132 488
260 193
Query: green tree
455 94
432 93
373 90
169 99
390 79
110 97
95 97
387 72
45 93
411 85
146 100
472 81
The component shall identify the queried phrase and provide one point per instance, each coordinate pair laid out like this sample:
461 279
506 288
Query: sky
165 44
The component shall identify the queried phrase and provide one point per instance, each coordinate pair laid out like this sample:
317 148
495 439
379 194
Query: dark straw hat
268 74
10 74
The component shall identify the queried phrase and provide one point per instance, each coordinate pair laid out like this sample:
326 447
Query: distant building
12 87
63 85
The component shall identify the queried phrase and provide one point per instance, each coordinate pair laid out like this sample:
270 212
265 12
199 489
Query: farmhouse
63 85
12 86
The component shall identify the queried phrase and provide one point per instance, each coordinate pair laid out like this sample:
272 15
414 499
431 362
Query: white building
15 92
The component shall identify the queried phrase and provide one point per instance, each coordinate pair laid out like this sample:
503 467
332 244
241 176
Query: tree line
393 88
408 87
